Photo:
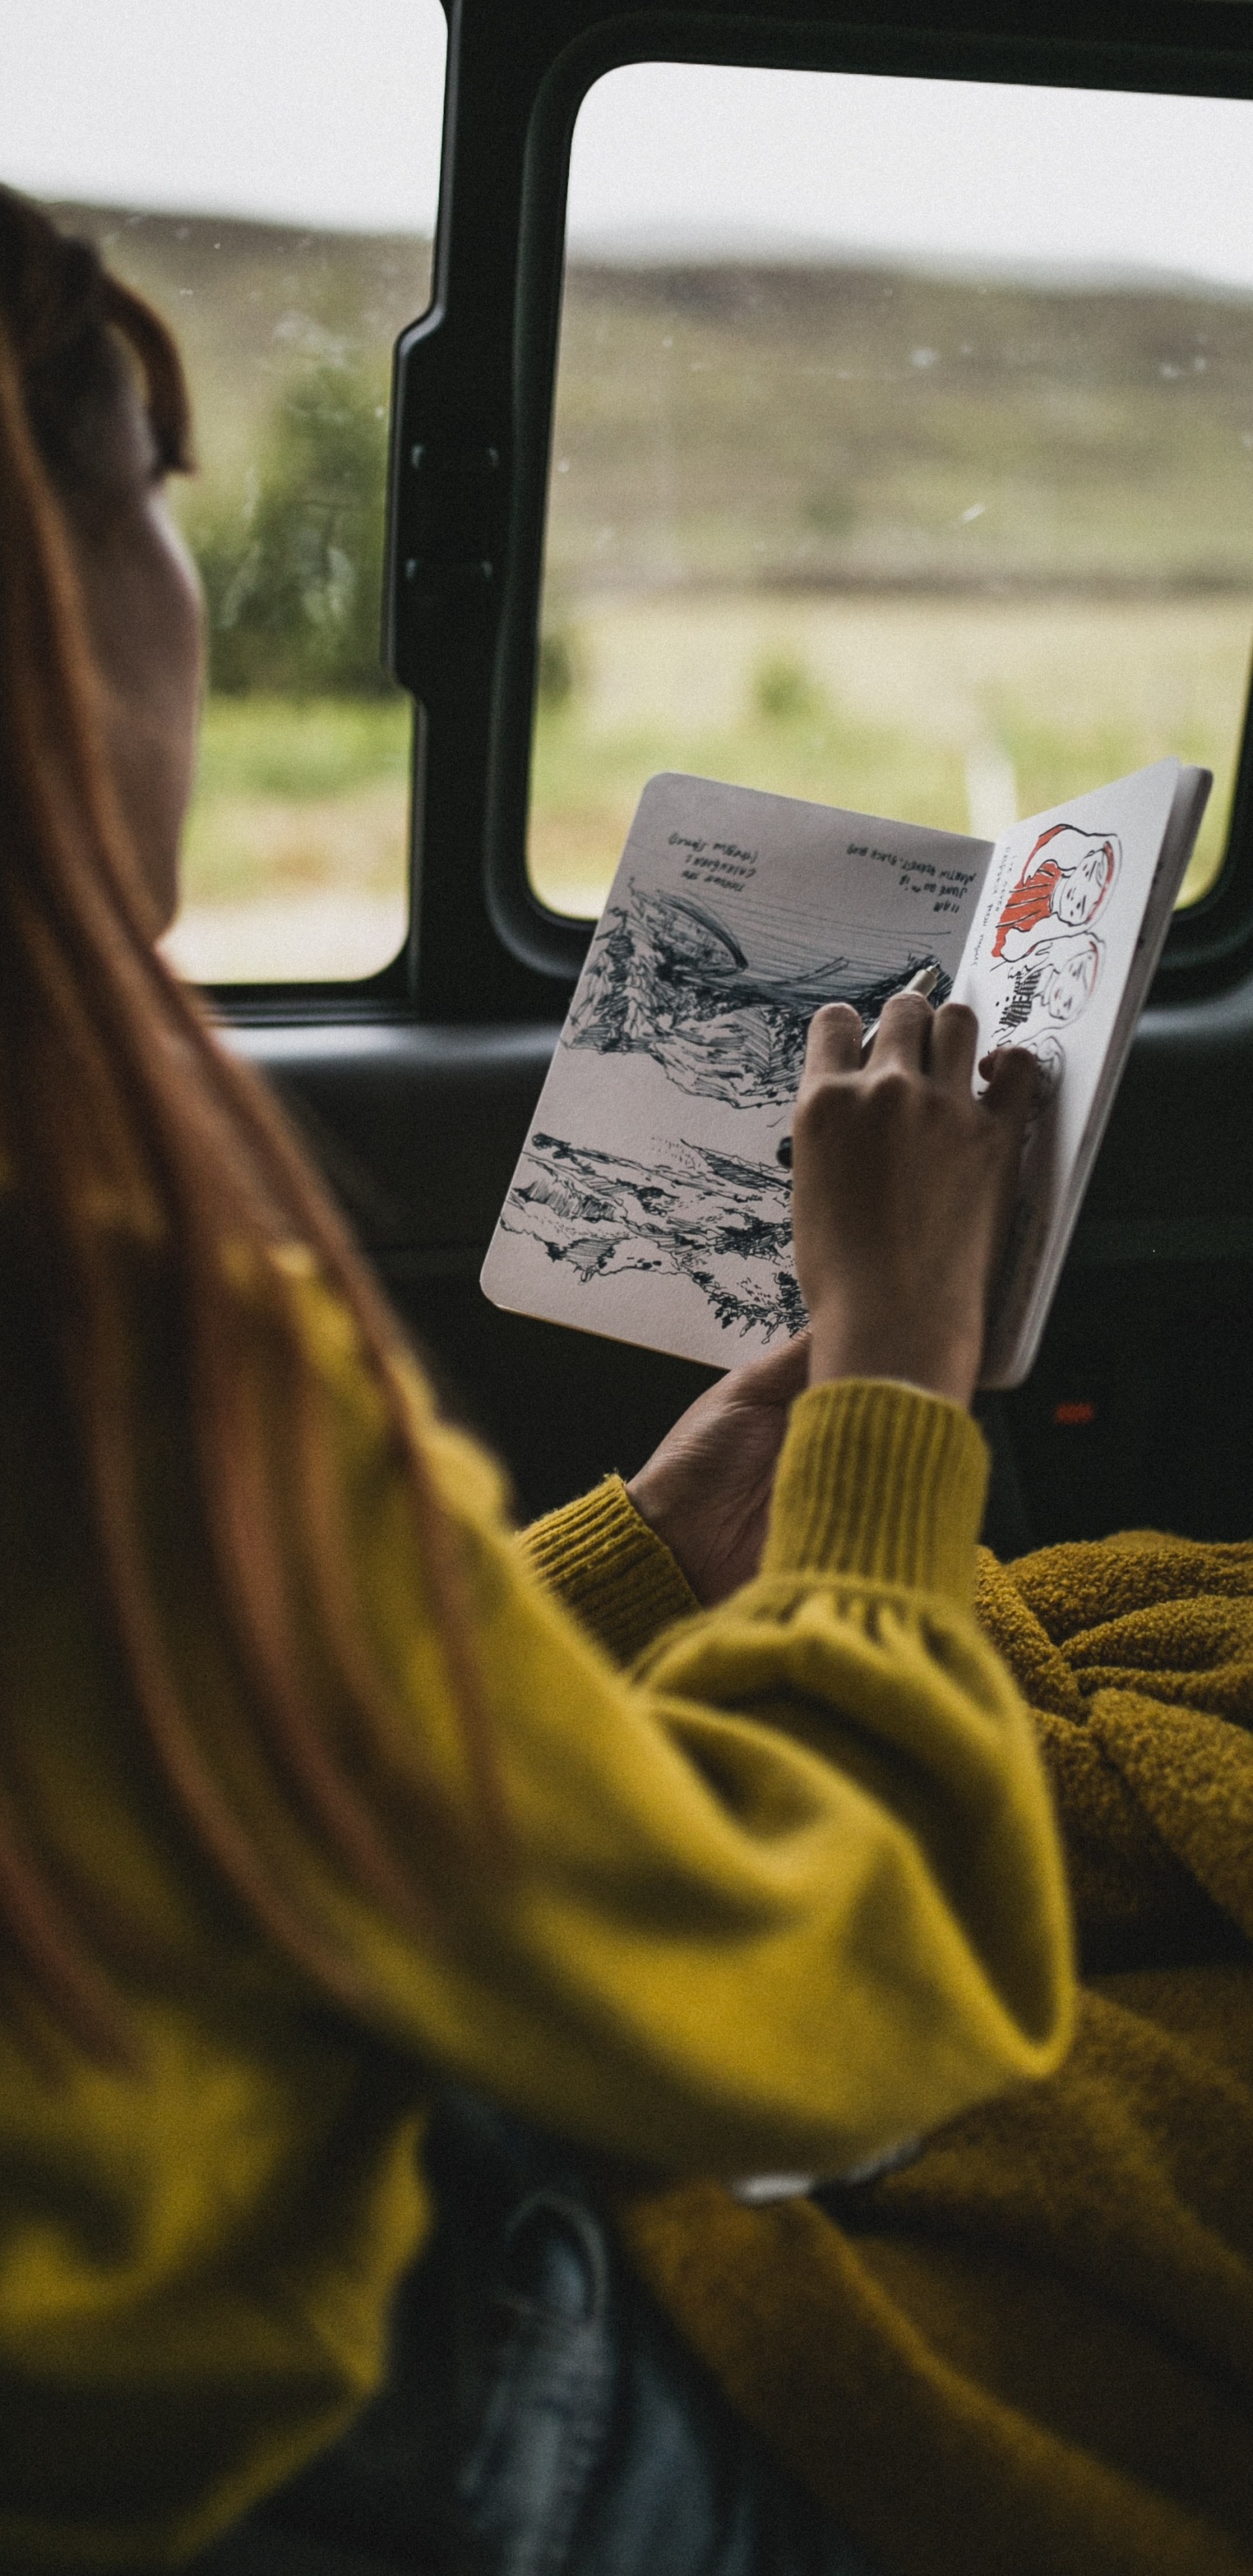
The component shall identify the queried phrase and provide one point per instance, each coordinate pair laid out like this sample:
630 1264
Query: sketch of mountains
668 979
716 1220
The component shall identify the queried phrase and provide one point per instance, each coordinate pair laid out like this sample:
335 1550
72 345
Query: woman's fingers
1012 1075
904 1033
834 1041
954 1043
917 1039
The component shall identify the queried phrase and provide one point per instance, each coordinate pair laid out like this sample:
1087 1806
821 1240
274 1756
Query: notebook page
1046 967
1187 810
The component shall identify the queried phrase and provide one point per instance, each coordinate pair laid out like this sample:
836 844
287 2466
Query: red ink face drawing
1067 878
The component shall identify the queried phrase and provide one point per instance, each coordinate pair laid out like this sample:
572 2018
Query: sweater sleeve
611 1570
787 1892
778 1895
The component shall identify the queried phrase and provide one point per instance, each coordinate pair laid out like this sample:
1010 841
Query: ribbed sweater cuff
610 1569
879 1480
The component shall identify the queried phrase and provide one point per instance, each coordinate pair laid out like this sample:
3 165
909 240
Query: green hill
808 428
776 427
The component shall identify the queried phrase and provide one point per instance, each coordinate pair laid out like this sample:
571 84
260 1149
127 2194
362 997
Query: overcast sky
925 169
328 112
317 111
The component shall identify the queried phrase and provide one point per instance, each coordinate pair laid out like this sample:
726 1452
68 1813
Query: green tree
293 581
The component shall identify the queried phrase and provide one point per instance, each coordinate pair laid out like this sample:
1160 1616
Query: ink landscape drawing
649 1203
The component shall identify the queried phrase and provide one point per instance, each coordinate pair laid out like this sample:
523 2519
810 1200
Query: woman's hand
706 1490
902 1188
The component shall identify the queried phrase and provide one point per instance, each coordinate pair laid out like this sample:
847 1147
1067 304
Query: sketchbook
649 1203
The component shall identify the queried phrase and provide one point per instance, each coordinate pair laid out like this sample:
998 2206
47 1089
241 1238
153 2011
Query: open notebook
649 1203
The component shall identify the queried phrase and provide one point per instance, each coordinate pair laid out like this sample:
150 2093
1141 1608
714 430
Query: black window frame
473 393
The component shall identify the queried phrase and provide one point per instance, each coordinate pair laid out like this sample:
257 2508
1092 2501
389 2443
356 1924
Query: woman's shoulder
281 1304
469 1478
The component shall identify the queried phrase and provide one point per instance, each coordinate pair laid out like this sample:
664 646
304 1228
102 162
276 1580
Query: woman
312 1793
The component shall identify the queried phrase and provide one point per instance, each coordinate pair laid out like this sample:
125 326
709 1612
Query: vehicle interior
852 402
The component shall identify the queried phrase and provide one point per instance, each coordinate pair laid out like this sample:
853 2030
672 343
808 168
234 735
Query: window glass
267 175
902 452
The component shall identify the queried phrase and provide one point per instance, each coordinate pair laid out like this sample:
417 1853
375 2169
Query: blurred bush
784 691
558 670
293 580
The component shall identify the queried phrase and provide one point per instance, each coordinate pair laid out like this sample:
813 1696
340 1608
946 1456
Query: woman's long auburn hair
124 1121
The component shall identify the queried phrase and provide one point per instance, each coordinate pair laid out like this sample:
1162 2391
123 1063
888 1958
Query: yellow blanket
1031 2352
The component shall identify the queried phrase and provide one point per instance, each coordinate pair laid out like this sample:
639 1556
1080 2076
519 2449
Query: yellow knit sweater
1031 2353
789 1891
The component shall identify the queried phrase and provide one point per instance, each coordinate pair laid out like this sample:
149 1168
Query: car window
267 175
902 450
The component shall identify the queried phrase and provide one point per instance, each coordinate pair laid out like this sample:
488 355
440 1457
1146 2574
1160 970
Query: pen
923 982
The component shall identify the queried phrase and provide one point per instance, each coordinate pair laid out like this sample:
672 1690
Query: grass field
951 712
942 711
298 794
296 857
